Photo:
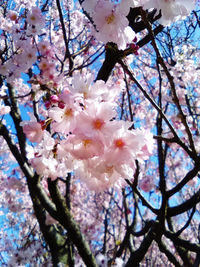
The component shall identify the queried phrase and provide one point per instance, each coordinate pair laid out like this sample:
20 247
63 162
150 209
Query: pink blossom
54 99
61 105
35 17
112 24
4 109
12 15
45 48
29 56
5 68
146 183
93 183
45 166
148 144
84 90
124 145
47 68
95 120
64 119
172 10
39 165
33 131
84 147
110 174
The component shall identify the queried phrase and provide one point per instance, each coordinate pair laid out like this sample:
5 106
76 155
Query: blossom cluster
87 137
112 25
84 135
171 10
110 21
23 48
76 128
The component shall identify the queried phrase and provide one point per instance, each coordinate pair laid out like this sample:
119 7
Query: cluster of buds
54 99
133 47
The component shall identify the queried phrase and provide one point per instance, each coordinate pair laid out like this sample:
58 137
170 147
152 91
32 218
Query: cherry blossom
146 183
112 19
95 120
99 133
172 10
35 21
4 109
64 118
33 131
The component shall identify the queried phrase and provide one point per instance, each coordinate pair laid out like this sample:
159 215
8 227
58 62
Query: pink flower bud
54 99
135 40
47 104
61 105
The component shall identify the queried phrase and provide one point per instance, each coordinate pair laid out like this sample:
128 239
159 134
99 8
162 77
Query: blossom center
13 17
68 112
110 18
85 95
43 66
97 124
44 47
30 56
86 142
33 18
109 169
119 143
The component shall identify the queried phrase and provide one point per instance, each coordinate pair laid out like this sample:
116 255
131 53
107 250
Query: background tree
99 133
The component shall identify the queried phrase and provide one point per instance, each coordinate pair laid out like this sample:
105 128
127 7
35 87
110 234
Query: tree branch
65 218
185 206
181 242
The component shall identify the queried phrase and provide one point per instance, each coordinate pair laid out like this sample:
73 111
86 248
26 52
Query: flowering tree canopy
99 133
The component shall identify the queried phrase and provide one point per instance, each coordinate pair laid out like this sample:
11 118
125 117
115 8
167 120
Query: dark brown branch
169 255
67 52
180 250
185 206
65 218
147 38
16 116
135 19
28 172
112 55
181 242
143 200
138 255
40 200
144 230
188 221
52 234
189 176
